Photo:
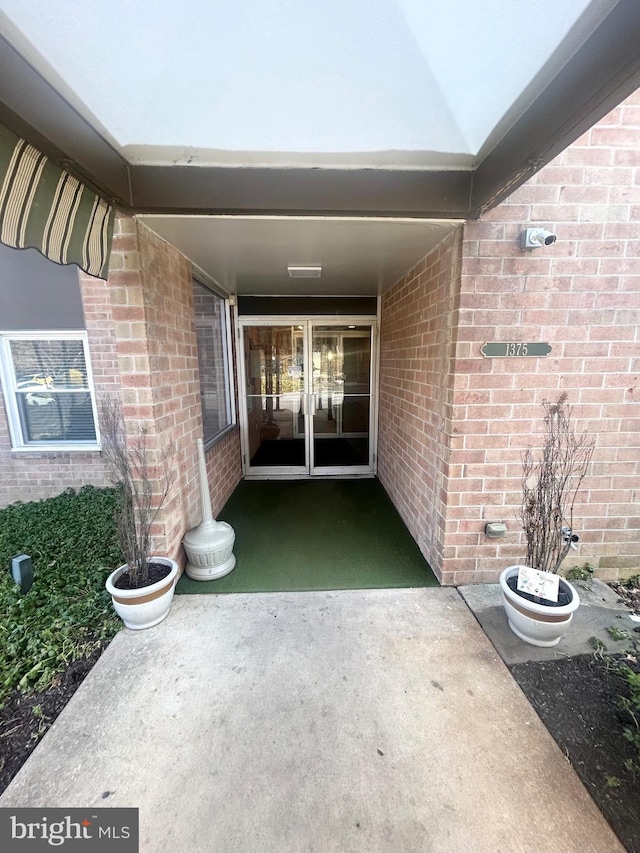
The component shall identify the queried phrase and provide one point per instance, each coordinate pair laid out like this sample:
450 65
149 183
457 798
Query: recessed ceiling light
304 272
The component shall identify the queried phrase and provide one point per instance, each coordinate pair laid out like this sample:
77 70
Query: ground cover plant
51 636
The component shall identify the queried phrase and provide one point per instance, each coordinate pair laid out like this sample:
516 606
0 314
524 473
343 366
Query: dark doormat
341 451
328 452
283 451
316 535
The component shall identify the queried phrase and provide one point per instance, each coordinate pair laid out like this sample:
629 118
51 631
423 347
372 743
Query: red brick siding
417 347
582 295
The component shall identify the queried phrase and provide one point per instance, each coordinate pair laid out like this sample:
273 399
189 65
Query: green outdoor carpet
316 534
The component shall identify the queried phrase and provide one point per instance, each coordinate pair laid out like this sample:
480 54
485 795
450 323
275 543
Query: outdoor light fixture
304 272
534 238
22 572
495 529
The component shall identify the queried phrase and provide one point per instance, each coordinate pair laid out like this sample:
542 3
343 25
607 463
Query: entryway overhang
402 108
353 256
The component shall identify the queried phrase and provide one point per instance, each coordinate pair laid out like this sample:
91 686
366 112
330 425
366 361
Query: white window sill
57 448
211 442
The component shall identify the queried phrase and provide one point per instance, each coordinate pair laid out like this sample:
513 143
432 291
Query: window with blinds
213 362
48 391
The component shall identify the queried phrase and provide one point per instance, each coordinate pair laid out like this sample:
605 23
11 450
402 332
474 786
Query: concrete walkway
369 721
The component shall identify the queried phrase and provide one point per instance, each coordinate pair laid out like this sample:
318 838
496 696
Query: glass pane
274 364
52 397
56 416
53 364
274 359
341 359
211 337
341 383
356 363
355 415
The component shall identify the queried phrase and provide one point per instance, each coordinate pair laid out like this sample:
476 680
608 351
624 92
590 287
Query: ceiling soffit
251 254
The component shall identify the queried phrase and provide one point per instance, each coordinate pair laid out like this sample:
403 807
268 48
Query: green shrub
71 540
580 573
631 705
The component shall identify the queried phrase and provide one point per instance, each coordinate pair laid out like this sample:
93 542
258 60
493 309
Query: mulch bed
577 699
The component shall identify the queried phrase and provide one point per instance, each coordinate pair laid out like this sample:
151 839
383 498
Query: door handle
303 404
312 406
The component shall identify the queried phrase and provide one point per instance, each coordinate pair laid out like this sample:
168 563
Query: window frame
227 358
9 390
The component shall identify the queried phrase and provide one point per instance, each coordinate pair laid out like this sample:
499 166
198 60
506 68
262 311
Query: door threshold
365 476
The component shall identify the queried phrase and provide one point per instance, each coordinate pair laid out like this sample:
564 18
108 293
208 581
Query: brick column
152 304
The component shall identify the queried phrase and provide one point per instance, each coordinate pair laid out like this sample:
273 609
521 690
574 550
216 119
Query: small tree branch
128 467
550 486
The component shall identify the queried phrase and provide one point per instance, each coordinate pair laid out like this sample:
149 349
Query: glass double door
307 397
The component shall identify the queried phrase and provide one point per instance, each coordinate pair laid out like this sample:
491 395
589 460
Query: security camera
534 238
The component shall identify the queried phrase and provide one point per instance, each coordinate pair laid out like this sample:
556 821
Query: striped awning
45 208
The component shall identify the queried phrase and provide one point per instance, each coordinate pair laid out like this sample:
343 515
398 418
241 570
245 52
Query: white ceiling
250 255
395 83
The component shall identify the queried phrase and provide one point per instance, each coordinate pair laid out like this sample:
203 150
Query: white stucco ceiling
394 83
250 255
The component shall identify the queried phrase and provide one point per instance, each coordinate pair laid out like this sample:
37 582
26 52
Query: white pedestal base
210 573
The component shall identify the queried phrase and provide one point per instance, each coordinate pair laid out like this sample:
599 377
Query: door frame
306 471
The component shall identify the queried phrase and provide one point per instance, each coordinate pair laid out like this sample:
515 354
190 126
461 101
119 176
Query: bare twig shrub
550 485
128 467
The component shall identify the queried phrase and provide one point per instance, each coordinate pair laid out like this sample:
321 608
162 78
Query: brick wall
417 347
581 295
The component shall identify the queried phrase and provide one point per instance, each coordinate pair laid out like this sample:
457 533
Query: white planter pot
537 624
147 606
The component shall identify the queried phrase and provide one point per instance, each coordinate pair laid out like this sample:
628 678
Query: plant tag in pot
540 584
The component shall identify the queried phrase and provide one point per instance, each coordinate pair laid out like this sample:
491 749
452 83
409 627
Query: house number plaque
515 349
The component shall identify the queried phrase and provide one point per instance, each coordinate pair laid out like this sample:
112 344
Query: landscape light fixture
22 572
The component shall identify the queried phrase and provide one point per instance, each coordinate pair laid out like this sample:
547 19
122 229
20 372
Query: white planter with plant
145 606
536 622
141 589
549 489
